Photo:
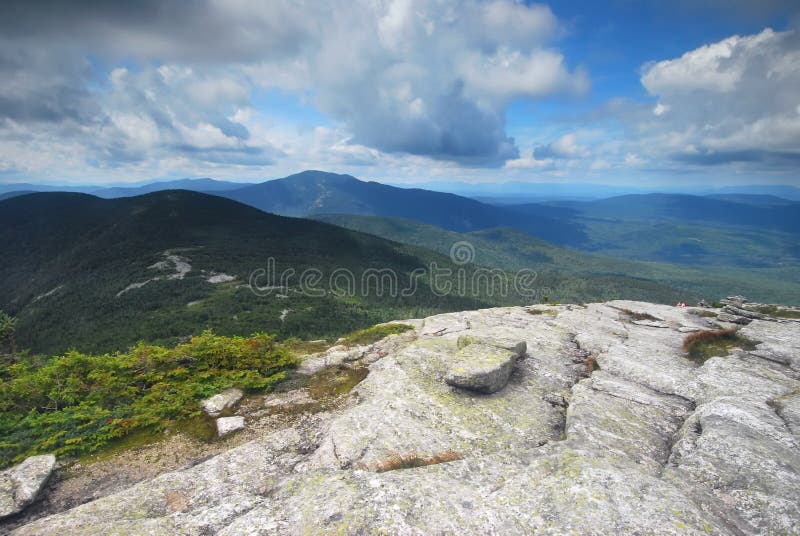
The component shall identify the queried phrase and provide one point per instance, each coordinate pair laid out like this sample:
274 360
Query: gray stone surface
288 400
651 443
732 319
218 403
228 425
482 368
21 484
731 309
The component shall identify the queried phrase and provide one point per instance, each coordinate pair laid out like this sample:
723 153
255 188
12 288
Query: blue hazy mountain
193 185
318 192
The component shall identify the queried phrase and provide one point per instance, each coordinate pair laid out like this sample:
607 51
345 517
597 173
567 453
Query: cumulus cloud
401 76
564 147
731 101
430 79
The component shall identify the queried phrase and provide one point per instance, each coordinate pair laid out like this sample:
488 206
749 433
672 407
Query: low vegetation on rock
76 403
701 346
780 312
375 333
395 461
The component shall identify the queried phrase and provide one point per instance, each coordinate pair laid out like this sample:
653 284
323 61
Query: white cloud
632 160
566 146
429 79
529 163
730 101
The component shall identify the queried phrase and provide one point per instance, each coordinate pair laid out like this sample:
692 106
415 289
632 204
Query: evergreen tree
7 334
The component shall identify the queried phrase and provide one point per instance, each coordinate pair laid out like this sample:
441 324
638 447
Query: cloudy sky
617 92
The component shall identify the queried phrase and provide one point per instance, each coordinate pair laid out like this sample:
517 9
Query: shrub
639 316
394 461
591 364
77 403
701 346
374 334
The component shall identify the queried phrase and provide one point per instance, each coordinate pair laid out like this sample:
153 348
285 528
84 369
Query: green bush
76 403
374 334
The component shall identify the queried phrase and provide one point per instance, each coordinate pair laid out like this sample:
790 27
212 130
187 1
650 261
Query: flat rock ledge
218 403
21 484
482 367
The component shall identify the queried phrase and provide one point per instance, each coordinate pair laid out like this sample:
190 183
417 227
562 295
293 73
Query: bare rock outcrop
605 427
21 484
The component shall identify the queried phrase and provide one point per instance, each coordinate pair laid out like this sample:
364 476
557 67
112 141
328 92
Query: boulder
482 368
218 403
737 311
21 484
228 425
733 319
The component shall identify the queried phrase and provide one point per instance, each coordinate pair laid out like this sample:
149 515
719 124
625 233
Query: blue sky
620 92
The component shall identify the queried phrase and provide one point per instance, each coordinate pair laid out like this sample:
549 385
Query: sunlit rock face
602 426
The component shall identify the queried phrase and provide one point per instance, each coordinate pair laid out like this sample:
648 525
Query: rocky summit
601 423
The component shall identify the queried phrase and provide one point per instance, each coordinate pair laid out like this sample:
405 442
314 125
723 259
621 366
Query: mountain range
102 271
317 192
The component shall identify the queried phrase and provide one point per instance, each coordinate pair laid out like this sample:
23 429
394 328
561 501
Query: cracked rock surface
651 443
21 484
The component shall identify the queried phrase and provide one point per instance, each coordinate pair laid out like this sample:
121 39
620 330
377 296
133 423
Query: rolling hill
9 195
193 185
98 275
574 274
689 230
687 208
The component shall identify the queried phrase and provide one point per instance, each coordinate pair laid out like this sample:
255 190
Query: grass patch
394 461
301 347
374 334
550 312
701 346
780 312
703 313
639 316
78 404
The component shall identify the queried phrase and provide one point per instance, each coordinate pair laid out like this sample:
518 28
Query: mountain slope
317 192
579 276
9 195
100 274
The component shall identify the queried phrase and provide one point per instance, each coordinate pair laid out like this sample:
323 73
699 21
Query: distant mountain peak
317 175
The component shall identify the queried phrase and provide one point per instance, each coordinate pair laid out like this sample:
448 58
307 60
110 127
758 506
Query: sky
621 92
